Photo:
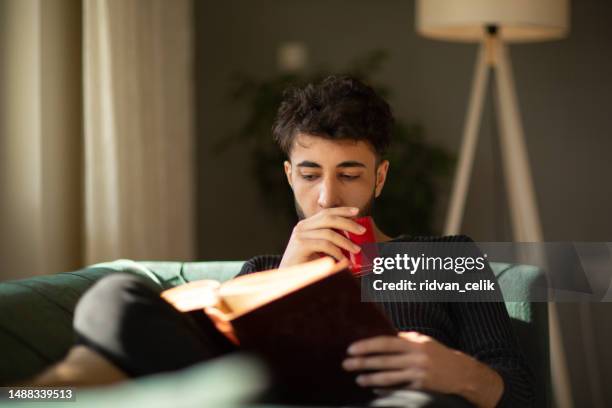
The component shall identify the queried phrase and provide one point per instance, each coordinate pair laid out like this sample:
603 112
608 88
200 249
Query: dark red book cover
303 337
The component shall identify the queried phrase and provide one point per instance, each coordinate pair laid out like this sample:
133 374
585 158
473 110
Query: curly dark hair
339 107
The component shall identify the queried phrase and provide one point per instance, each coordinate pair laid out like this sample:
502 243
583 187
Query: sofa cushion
229 381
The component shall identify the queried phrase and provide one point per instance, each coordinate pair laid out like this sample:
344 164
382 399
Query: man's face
327 173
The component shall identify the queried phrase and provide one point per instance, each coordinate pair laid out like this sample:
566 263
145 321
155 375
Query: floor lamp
492 24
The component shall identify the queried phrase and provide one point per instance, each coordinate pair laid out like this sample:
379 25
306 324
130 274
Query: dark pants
123 318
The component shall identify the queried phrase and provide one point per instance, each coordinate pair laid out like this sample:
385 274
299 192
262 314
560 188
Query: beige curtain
40 137
138 129
95 133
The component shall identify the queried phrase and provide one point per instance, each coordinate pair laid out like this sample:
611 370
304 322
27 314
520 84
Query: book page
193 295
248 292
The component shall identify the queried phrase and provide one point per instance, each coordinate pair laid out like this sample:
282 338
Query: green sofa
36 331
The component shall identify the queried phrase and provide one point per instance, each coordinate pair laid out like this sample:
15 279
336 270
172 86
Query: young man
334 135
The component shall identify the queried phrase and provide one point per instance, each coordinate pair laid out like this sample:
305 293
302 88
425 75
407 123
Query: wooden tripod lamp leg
468 144
523 204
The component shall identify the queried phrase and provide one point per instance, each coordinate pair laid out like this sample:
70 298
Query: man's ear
287 165
381 176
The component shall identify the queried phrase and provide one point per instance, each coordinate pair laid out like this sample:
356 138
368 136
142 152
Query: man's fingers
335 222
379 344
415 337
324 246
332 236
384 362
389 378
342 211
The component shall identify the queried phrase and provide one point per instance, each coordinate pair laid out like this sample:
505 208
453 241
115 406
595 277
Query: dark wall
564 90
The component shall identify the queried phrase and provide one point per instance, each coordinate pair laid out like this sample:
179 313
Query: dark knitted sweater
481 329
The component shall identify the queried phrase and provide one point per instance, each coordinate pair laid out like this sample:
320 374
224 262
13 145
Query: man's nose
328 195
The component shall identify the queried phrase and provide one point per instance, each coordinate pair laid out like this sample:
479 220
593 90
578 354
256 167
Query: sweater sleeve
260 263
485 332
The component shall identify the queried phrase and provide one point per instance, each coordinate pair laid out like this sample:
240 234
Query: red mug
359 261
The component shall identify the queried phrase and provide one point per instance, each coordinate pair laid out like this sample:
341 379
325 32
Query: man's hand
420 362
315 235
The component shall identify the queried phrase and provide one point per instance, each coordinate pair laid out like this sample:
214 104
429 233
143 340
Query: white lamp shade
517 20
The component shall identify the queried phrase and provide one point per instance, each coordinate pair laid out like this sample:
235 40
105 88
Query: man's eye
309 177
348 177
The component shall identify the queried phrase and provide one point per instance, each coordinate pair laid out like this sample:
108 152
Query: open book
300 320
